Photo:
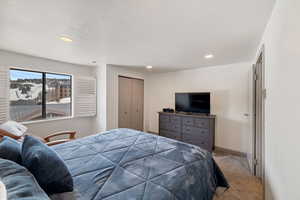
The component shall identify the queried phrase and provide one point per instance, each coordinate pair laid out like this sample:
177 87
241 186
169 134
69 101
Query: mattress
128 164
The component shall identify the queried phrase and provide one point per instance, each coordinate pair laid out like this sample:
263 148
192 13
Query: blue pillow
10 149
47 167
19 182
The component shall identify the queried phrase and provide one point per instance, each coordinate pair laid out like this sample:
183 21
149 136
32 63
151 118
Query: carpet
244 186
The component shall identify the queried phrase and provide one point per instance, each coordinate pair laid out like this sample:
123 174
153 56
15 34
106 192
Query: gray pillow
10 149
19 182
47 167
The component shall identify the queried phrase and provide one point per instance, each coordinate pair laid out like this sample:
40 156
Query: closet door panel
137 104
125 102
140 104
134 109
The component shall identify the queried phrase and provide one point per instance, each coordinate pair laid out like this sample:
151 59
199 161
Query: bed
128 164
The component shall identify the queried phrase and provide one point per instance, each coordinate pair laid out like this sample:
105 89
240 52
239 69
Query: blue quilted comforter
132 165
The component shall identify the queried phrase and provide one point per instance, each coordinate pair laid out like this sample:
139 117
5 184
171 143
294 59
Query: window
39 95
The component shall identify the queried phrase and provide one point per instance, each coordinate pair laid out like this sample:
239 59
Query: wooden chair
60 141
45 140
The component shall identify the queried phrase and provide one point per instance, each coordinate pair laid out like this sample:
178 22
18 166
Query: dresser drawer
175 127
175 119
203 132
195 133
164 118
195 130
187 129
165 125
170 134
202 123
189 121
200 143
196 141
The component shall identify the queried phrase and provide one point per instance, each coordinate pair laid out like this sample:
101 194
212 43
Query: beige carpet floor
243 186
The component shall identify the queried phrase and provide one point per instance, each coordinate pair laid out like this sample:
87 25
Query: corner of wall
100 121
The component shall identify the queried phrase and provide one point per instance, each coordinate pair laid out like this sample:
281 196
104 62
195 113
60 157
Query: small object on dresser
170 110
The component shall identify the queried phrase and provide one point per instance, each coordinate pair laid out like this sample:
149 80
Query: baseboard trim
229 151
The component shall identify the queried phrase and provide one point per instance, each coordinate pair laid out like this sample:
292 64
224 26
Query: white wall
282 40
100 121
229 87
84 126
113 72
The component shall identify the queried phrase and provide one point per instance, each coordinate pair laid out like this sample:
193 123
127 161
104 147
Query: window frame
44 95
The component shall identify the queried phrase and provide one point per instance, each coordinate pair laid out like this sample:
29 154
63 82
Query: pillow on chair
13 129
47 167
10 149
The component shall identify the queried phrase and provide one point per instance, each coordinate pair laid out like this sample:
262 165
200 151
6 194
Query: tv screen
192 102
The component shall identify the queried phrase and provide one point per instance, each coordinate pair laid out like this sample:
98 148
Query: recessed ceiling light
149 67
209 56
65 39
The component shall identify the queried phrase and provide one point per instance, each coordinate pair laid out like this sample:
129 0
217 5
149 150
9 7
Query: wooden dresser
193 129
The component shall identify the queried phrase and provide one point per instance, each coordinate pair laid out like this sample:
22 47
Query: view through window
39 95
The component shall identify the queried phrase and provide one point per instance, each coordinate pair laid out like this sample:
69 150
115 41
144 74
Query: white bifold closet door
131 103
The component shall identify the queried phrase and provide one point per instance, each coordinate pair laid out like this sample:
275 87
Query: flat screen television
192 102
